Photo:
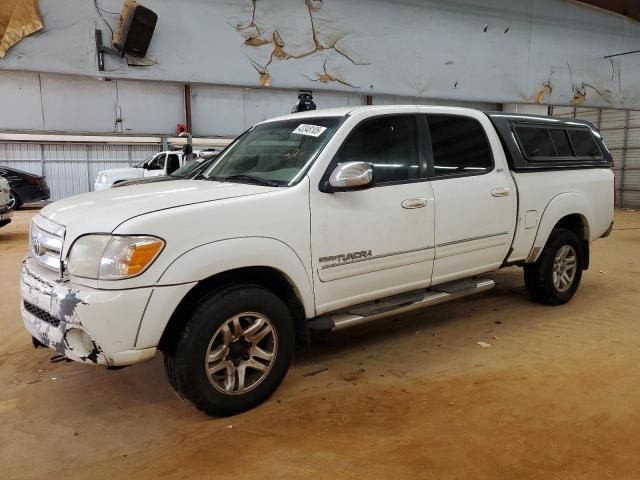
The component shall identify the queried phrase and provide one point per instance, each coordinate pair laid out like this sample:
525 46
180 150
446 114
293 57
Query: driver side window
157 163
388 142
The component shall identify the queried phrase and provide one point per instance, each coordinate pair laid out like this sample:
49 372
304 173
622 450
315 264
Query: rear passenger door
475 197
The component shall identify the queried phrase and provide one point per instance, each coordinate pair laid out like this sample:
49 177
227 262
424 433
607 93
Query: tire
228 327
14 200
554 278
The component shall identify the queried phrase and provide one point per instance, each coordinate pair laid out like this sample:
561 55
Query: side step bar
406 302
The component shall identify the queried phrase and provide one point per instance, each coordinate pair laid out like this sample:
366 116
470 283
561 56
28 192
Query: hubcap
12 201
564 268
241 353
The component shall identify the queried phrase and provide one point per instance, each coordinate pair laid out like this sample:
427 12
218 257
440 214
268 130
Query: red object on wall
181 128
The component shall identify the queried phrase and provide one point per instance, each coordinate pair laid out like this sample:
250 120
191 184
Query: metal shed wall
621 132
71 168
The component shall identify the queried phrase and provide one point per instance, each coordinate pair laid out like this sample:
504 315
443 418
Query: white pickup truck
157 165
313 221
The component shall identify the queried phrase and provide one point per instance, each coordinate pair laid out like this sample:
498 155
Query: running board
406 302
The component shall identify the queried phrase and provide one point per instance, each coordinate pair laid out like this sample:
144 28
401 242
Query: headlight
107 257
102 178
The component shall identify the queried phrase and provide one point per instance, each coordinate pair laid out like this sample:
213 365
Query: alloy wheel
564 268
241 353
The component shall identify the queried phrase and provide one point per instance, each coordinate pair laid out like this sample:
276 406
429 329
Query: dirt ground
555 396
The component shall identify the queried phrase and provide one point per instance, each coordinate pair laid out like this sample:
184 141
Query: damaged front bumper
82 323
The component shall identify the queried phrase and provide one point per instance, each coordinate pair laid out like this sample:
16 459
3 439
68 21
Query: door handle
411 203
500 192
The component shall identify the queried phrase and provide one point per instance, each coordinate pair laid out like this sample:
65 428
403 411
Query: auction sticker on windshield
309 130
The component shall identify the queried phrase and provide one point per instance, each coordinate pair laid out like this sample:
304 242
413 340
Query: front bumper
84 324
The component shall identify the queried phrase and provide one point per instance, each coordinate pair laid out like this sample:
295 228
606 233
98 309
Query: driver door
378 242
155 168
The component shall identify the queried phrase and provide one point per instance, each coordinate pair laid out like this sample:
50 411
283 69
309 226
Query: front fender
221 256
559 207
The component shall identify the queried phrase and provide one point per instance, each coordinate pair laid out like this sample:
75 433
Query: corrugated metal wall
621 132
71 168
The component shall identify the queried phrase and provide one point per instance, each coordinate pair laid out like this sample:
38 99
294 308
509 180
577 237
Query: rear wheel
234 351
554 278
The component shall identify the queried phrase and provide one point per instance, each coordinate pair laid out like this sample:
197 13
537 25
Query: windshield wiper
249 178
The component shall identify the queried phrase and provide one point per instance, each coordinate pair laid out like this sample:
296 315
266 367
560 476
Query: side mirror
351 176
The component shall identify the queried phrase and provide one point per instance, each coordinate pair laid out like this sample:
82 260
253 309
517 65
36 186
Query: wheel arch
262 261
569 211
266 277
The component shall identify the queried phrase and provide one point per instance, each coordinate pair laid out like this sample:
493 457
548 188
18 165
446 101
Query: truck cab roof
531 142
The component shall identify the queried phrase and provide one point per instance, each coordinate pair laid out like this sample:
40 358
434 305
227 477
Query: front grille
41 314
46 243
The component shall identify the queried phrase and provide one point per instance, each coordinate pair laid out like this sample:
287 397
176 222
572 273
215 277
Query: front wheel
233 352
554 278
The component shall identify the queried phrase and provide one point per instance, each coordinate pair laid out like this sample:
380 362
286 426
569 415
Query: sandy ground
555 396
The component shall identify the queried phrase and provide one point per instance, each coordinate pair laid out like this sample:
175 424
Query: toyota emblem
37 247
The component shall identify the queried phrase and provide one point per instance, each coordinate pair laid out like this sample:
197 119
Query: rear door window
173 163
460 145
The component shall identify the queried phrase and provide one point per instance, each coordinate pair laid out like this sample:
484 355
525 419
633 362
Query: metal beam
55 138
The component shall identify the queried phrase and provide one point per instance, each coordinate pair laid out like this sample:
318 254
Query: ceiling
629 8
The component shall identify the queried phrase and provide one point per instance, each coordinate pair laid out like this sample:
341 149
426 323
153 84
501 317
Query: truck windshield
274 153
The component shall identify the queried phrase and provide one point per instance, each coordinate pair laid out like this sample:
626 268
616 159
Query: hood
120 173
140 181
102 212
